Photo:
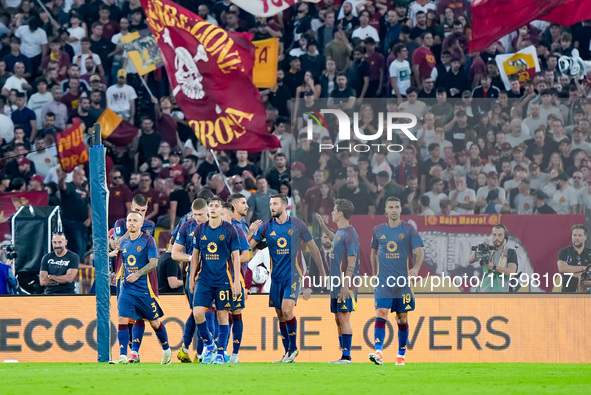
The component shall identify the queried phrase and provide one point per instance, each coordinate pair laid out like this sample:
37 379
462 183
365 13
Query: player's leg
379 333
222 340
402 321
123 337
237 330
188 331
275 301
403 303
202 300
291 322
162 336
137 335
336 320
346 328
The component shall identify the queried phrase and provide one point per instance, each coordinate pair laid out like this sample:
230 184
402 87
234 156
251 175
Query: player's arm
152 264
373 257
178 255
419 258
236 286
348 279
194 265
67 278
252 229
245 256
317 258
325 228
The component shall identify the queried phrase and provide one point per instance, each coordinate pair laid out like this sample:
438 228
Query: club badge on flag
265 66
523 63
267 7
210 73
71 148
143 51
115 129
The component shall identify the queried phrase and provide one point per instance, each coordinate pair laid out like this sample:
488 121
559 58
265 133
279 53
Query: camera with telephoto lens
484 252
586 274
10 251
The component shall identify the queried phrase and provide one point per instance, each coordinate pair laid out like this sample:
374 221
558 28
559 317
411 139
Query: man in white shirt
365 30
435 195
400 72
39 99
16 81
462 199
121 97
43 159
492 183
524 201
415 7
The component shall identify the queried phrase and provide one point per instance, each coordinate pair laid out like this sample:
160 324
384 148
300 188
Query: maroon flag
493 19
210 73
71 148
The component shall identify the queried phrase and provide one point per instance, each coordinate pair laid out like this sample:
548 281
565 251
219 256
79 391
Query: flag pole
215 158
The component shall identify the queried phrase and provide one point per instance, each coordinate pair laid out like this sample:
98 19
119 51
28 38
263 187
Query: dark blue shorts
338 305
289 289
239 301
206 294
398 300
134 306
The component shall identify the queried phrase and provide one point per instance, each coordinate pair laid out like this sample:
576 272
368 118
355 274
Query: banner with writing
71 147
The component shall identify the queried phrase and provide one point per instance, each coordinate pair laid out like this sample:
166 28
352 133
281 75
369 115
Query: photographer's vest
4 279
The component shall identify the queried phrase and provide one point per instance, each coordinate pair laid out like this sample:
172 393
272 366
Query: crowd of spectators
482 148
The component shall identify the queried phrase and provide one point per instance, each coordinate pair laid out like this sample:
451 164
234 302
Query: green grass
300 378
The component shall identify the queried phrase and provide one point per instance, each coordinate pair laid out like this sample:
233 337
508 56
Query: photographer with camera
8 282
574 262
498 261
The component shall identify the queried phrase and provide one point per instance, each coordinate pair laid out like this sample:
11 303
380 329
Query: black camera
10 251
586 274
484 252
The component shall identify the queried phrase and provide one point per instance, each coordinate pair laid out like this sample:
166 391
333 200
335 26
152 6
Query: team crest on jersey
281 242
391 246
338 238
401 236
273 234
204 238
222 237
148 232
383 237
212 247
290 232
139 249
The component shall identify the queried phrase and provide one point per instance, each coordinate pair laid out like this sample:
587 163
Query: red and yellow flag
266 59
115 129
71 148
210 73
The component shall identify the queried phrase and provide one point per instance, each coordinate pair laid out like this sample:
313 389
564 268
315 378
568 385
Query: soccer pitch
299 378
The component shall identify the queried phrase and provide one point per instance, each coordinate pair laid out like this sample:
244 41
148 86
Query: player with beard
496 273
137 297
392 247
285 238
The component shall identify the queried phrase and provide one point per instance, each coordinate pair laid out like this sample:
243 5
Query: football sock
137 334
162 336
292 333
223 338
130 330
284 339
347 340
211 320
204 334
402 338
189 331
379 333
340 342
123 336
237 329
199 345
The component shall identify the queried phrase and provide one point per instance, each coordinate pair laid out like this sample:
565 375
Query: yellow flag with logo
264 74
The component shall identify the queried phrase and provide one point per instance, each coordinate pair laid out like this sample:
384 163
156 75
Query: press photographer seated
574 262
498 264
